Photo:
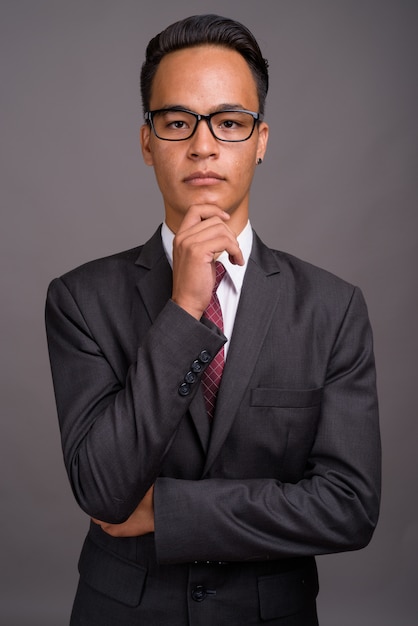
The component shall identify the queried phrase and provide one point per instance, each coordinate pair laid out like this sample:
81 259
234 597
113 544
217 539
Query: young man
208 509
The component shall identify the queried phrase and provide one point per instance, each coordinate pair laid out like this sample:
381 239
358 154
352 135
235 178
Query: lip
203 178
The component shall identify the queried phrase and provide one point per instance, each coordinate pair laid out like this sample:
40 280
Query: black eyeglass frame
199 117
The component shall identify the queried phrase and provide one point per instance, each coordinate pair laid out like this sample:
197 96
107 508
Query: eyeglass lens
226 125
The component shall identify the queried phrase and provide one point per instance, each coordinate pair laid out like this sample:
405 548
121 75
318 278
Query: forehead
201 78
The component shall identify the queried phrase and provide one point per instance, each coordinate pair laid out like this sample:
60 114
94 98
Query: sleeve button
190 377
184 389
204 356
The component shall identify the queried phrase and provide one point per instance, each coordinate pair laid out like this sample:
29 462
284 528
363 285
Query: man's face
204 79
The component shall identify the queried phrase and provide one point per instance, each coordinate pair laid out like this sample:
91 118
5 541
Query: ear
145 136
263 135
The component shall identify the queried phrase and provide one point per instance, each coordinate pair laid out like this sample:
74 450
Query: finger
206 243
199 212
237 259
217 237
204 230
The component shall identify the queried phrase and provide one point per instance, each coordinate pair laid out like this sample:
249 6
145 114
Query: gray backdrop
338 188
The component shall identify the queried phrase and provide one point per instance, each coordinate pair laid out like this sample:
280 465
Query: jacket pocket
286 398
287 593
111 575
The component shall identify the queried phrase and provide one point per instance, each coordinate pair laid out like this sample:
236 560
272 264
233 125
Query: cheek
246 159
165 167
244 169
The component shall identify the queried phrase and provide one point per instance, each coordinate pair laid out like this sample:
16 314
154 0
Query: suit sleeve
334 507
116 433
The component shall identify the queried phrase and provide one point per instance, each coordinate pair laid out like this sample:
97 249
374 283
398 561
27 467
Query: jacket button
198 593
184 389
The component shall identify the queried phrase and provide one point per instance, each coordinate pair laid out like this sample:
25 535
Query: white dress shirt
229 290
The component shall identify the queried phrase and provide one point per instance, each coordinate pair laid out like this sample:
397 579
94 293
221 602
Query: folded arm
333 507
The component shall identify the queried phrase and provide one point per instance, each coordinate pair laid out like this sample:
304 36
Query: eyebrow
225 106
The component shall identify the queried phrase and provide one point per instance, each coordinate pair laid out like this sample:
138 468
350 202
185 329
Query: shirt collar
235 272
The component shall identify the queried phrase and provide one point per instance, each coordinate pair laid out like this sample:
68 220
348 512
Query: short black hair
199 30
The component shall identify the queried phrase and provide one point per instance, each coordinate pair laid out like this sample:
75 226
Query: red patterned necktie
212 375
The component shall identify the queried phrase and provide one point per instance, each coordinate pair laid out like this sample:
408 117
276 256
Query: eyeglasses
181 124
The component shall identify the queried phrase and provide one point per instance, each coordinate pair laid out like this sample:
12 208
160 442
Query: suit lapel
155 288
258 301
155 282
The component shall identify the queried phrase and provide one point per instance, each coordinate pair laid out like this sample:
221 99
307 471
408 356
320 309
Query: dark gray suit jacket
289 469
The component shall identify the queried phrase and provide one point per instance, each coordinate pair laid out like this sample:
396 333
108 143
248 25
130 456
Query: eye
177 124
228 124
232 121
177 120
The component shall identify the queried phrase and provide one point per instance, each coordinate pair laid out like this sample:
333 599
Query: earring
259 161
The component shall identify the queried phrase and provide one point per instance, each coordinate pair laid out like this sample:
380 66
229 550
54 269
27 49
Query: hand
139 523
202 236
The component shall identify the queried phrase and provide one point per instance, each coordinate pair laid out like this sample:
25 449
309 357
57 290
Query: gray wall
338 188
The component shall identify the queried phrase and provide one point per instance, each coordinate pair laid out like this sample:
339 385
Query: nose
202 143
